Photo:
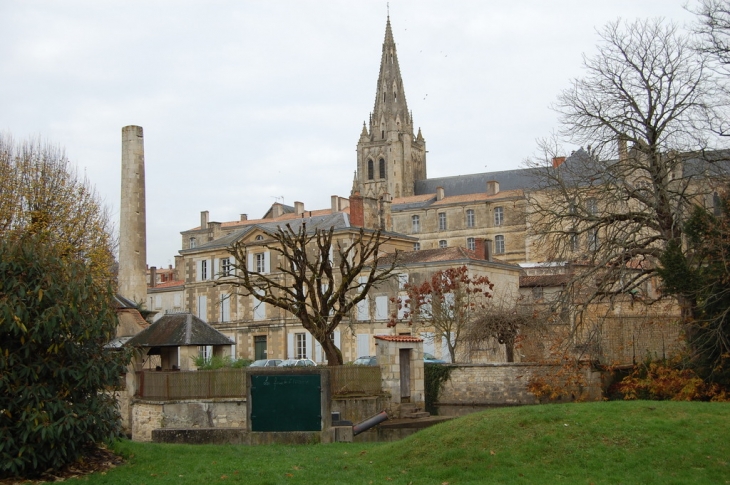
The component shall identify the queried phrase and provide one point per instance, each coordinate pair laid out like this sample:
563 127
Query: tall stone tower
389 157
133 224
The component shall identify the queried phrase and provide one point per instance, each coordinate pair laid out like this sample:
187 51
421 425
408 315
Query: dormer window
259 238
193 242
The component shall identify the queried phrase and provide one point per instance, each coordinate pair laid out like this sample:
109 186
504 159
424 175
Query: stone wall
476 386
357 409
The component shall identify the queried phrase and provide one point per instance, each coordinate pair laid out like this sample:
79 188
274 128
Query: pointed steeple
391 110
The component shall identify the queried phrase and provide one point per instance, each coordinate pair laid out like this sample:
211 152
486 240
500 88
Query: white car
298 363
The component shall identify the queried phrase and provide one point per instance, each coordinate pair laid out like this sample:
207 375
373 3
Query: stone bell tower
390 158
133 225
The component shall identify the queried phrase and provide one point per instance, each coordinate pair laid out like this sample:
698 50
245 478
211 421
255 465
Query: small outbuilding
178 338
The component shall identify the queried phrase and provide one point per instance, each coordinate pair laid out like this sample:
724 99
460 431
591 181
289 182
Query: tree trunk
333 354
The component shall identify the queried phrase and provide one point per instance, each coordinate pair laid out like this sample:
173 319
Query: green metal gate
286 402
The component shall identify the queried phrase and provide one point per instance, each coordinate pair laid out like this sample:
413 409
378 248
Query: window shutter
363 345
198 271
290 346
428 345
216 268
317 352
232 264
267 262
381 307
249 263
337 339
203 308
225 307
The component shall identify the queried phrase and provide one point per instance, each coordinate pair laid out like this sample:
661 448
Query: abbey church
475 220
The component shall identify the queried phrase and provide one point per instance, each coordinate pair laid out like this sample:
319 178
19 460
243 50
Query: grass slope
643 442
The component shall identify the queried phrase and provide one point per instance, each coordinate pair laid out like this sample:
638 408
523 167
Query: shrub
55 319
668 380
217 362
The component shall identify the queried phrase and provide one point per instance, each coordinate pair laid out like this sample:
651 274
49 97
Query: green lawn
613 442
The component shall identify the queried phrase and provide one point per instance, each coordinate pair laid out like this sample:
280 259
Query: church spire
391 110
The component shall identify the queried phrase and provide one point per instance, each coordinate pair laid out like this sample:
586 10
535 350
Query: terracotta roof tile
543 280
413 198
168 284
399 338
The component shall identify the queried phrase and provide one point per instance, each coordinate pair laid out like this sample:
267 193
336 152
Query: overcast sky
243 103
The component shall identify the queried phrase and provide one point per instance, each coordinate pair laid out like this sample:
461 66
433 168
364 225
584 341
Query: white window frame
498 216
381 307
415 224
416 246
402 280
470 218
471 243
499 244
443 244
442 221
225 307
300 345
226 267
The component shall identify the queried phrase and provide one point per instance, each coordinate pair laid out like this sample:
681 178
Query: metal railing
226 382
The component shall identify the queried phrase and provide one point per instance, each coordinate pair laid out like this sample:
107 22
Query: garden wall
472 387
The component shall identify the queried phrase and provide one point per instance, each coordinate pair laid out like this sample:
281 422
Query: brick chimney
153 276
244 217
483 248
558 161
357 211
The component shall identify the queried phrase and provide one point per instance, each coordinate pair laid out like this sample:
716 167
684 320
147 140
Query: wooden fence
206 384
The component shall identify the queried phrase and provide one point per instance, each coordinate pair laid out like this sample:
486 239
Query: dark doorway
259 343
405 375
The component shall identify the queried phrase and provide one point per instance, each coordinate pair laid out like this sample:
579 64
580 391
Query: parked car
367 360
266 363
431 359
298 363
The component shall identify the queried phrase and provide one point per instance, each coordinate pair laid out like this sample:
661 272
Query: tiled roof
431 255
477 182
178 329
399 338
167 285
130 322
284 217
543 280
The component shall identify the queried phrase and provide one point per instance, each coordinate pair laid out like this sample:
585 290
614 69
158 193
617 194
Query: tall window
499 244
592 206
573 241
204 270
442 221
498 216
226 267
415 224
301 345
193 242
470 218
471 243
416 246
593 241
381 168
442 243
371 170
261 263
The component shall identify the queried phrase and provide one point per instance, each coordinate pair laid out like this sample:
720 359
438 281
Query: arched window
442 243
381 166
371 170
499 244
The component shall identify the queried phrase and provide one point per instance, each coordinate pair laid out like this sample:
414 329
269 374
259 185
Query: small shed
177 339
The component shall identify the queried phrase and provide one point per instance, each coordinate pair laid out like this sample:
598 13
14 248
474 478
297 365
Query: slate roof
338 220
177 330
477 182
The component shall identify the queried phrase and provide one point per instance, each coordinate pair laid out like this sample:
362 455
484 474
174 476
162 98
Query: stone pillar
133 225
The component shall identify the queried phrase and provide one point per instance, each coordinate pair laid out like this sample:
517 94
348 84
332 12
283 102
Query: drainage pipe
369 423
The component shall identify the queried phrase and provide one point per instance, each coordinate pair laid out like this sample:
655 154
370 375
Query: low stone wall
471 387
217 413
358 409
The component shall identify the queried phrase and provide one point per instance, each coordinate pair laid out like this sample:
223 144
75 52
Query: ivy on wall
434 376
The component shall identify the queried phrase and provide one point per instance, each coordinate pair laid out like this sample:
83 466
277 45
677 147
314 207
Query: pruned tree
317 280
449 302
56 315
644 110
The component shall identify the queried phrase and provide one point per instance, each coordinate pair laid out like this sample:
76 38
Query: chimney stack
244 217
492 187
623 151
132 277
299 208
439 193
153 276
558 161
204 219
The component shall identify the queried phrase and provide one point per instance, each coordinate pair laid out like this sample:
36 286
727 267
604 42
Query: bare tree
318 280
643 109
